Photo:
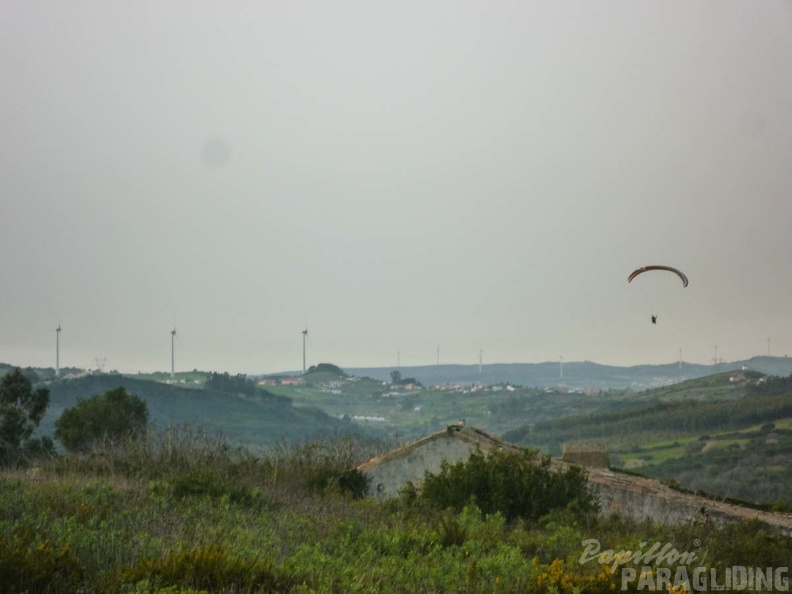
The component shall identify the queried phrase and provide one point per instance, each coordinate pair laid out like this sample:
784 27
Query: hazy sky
398 176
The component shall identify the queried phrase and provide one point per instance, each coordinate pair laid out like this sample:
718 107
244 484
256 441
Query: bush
211 483
694 447
517 485
354 482
113 415
28 564
749 543
212 568
322 465
21 411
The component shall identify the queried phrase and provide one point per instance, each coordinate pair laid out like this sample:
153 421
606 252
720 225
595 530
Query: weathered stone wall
589 459
590 456
644 506
641 499
387 477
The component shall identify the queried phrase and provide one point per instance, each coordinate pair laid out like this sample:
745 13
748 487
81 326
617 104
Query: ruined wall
641 499
589 459
388 476
585 455
647 506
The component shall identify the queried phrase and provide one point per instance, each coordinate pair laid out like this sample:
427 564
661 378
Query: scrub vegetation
181 511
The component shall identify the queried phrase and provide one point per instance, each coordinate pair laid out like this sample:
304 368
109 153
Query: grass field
660 451
186 514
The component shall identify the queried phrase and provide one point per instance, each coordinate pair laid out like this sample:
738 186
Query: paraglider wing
679 273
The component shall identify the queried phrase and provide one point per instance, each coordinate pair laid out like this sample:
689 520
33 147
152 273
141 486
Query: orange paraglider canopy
679 273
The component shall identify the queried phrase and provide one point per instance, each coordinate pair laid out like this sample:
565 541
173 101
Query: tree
112 415
517 485
327 368
21 411
235 384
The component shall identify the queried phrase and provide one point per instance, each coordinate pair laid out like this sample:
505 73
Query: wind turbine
481 358
57 350
304 336
173 353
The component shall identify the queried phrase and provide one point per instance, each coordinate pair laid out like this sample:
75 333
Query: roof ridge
464 432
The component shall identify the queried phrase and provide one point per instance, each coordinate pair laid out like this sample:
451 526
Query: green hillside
404 411
244 419
727 434
682 409
753 464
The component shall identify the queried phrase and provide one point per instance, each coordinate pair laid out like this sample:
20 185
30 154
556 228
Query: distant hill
243 419
729 434
724 401
575 374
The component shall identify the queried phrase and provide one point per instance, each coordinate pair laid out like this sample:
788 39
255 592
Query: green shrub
29 564
207 482
354 482
204 481
21 411
320 465
749 543
209 567
694 447
452 532
143 587
518 485
113 415
330 478
780 505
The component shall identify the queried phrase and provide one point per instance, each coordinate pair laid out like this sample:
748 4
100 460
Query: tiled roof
469 434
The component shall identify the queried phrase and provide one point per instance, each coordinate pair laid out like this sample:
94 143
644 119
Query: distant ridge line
577 374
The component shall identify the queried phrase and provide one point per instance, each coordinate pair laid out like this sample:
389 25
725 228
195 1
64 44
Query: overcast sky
396 176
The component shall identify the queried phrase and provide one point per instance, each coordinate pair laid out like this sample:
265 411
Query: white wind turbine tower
481 359
304 336
57 350
173 353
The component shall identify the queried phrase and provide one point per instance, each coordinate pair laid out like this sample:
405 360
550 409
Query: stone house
389 473
631 496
